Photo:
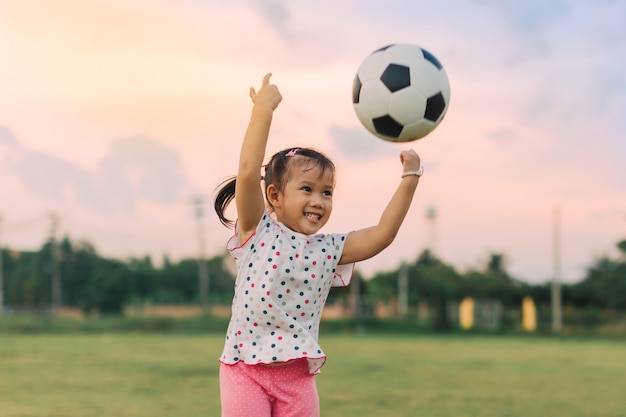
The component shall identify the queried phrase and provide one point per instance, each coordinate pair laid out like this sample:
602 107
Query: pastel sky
116 114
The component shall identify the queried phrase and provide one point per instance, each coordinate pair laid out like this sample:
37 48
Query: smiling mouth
313 216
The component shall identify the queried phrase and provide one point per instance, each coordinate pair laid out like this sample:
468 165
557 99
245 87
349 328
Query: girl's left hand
410 160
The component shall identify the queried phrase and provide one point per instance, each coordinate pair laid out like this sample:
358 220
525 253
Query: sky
118 116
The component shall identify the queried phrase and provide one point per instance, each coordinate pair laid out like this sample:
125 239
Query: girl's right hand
268 95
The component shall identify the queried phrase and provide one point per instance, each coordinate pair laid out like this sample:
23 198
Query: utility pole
431 218
56 261
557 320
355 297
1 271
403 290
203 269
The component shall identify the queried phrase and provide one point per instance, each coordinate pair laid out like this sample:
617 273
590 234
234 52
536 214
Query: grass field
141 375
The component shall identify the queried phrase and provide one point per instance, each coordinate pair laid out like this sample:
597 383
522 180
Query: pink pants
268 391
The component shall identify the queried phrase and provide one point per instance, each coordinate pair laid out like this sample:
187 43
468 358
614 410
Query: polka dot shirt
283 280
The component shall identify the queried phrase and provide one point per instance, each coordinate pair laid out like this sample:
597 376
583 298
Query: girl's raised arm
365 243
248 192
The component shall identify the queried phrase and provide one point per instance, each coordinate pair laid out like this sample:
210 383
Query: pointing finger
266 79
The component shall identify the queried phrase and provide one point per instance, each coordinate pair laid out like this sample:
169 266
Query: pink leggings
268 391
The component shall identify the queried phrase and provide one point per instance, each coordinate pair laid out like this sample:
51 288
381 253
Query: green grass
157 374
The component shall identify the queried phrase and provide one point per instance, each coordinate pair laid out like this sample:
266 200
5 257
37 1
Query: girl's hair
277 173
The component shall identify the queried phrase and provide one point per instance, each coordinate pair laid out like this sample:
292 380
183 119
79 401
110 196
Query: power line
25 223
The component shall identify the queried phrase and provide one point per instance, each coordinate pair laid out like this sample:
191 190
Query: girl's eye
328 193
306 188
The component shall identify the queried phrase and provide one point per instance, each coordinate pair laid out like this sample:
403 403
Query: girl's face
306 202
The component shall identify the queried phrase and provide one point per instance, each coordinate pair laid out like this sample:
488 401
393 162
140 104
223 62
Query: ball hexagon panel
416 130
376 64
404 54
374 99
407 106
427 79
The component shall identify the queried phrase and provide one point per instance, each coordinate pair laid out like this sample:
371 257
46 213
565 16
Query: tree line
95 284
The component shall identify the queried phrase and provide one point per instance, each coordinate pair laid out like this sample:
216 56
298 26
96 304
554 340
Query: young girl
286 267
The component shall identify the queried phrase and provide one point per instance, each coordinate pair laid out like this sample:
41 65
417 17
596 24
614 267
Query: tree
108 288
78 264
621 246
493 281
438 284
604 285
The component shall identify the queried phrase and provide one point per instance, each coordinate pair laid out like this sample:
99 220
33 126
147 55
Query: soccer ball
400 92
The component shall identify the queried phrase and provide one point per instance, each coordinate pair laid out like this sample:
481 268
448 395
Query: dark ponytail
223 197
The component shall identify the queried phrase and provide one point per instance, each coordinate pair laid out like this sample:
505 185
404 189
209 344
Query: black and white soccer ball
401 92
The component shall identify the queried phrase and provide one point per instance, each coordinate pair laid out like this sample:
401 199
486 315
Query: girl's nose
316 201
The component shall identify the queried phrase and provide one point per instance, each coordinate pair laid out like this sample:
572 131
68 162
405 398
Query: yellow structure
529 314
466 313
